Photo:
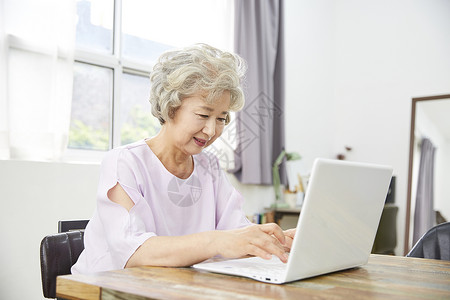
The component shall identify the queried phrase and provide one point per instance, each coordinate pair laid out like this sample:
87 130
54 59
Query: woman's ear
172 112
227 119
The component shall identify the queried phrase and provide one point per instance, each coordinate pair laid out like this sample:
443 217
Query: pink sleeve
124 231
229 213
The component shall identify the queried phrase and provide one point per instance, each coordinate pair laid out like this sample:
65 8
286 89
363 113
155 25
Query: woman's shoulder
135 146
127 151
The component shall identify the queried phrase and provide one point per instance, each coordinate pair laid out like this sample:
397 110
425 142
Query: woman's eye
222 120
203 116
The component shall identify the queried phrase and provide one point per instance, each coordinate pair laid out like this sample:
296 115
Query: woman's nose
210 128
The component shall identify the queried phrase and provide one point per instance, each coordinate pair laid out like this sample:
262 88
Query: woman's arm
177 251
174 251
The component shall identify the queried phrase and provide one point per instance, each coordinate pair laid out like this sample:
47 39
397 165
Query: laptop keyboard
261 267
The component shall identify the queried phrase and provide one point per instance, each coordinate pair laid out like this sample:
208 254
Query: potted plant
276 172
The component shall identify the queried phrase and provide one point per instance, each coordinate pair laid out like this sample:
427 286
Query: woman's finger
257 251
274 229
290 232
270 244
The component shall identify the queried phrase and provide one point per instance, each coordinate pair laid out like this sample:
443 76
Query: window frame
119 65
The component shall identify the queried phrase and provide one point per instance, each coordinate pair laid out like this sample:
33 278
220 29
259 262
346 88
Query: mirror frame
410 166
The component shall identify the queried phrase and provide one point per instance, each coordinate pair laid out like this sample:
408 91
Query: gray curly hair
200 68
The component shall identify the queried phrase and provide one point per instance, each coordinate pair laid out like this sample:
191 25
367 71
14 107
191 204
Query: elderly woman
164 202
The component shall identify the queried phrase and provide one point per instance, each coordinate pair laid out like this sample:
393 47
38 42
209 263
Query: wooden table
391 277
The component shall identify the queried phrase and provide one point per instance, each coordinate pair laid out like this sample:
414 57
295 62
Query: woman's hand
258 240
289 238
180 251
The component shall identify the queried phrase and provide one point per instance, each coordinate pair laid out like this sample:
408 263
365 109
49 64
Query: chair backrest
69 225
434 244
58 253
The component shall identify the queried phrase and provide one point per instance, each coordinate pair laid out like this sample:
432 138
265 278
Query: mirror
429 119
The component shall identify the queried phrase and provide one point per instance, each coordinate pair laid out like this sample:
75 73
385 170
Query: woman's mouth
200 142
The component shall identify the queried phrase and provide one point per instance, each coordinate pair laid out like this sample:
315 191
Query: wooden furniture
281 212
383 277
278 213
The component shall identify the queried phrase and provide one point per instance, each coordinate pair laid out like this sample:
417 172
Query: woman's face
197 124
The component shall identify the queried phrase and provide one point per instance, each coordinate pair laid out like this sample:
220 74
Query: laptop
336 227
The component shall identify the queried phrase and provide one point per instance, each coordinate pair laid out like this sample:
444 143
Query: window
91 113
117 43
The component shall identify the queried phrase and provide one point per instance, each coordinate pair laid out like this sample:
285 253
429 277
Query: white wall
310 59
352 69
35 196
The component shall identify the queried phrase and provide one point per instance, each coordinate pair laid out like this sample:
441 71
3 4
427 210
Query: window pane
152 27
136 120
95 25
91 107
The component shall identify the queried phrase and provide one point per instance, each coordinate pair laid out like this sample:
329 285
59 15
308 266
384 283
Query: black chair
58 253
65 226
434 244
